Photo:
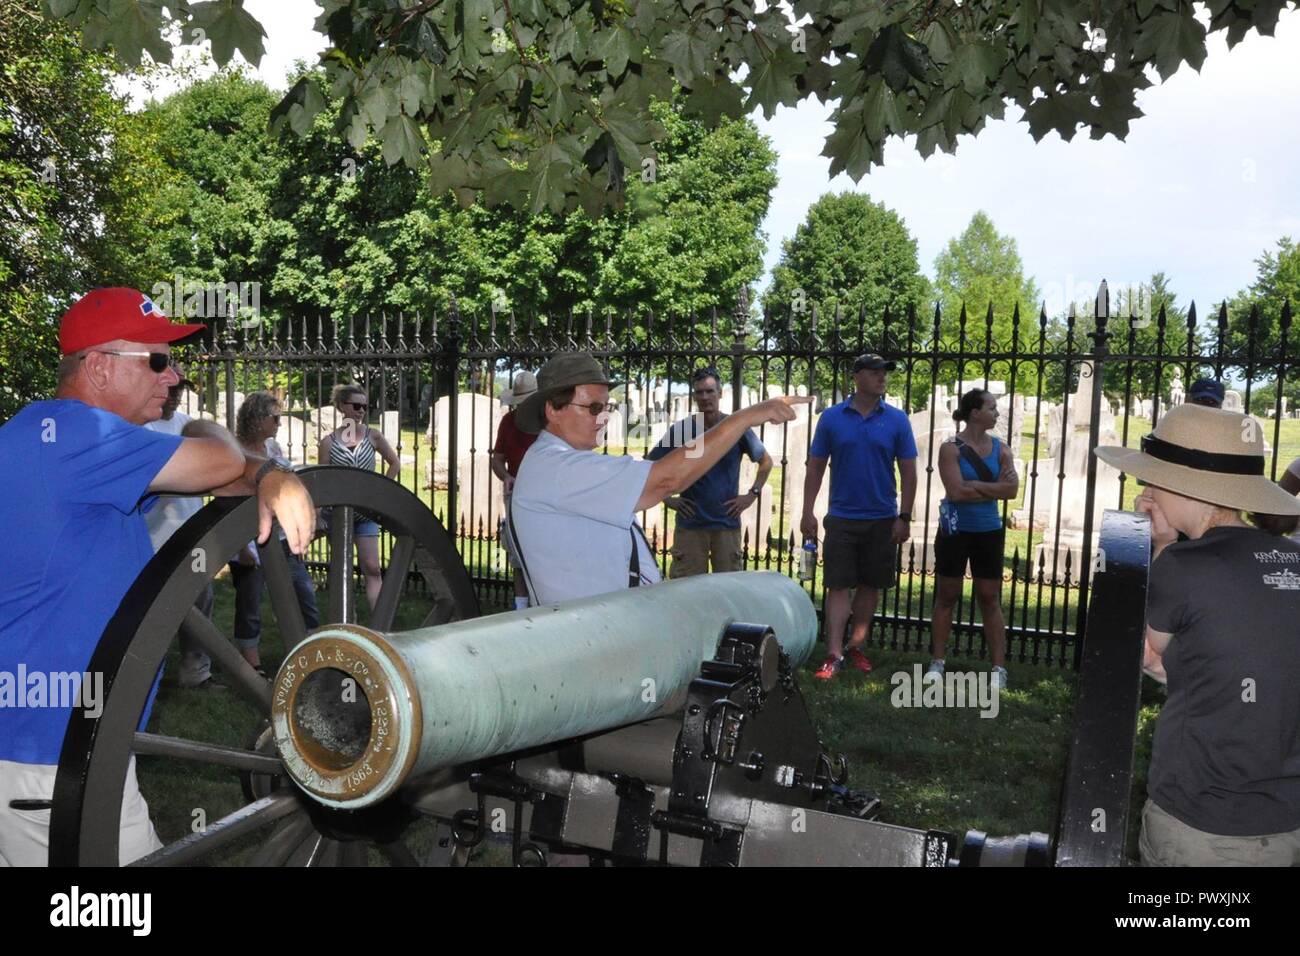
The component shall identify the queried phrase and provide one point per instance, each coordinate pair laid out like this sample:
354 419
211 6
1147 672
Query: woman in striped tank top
354 444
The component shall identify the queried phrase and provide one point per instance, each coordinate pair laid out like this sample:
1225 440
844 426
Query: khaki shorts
695 548
508 543
1167 841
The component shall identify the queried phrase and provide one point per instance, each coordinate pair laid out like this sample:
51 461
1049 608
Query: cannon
657 726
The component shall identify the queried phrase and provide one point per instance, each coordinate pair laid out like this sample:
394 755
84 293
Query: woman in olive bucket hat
1223 629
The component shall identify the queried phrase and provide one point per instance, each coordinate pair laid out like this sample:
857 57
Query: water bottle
808 562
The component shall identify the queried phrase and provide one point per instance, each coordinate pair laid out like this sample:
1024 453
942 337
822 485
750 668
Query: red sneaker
859 660
830 667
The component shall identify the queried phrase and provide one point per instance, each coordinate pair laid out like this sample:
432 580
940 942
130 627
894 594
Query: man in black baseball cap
870 360
573 511
864 524
1206 391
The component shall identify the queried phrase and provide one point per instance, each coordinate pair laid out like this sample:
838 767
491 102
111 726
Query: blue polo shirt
862 453
716 486
74 477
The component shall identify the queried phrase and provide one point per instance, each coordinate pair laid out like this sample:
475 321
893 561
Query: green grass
933 768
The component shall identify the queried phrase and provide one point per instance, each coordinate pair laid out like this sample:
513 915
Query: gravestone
477 418
1070 504
615 431
483 501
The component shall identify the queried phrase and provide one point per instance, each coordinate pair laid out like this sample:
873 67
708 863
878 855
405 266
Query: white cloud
1206 181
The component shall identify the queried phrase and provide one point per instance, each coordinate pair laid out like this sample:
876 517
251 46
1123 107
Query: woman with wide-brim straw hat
1223 629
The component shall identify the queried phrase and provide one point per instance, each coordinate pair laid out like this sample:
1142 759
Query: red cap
102 315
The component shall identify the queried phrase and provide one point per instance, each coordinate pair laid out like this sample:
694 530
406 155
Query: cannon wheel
93 763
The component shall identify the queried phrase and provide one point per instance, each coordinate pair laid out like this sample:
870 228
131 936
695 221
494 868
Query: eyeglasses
595 407
158 361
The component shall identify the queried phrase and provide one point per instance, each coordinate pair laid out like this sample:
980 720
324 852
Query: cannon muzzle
355 712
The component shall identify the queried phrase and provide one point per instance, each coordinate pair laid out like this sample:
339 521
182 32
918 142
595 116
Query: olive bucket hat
563 371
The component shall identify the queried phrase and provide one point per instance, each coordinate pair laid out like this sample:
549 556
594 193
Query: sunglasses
158 361
595 407
274 418
359 406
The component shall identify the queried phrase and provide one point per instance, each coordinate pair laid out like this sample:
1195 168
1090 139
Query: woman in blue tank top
970 527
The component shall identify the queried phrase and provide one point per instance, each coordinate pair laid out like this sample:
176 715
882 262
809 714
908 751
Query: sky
1206 182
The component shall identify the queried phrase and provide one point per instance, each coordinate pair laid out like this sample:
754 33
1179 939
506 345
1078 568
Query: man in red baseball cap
79 473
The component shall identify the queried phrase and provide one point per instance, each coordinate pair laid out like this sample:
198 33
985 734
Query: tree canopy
978 270
849 255
335 232
544 104
74 178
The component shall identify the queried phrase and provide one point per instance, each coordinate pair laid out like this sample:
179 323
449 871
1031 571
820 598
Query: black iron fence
1064 386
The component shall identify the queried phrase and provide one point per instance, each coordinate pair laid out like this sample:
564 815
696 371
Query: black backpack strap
976 462
634 565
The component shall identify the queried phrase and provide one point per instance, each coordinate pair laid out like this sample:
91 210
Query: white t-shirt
170 511
575 519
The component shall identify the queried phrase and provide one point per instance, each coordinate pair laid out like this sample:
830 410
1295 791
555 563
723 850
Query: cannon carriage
661 726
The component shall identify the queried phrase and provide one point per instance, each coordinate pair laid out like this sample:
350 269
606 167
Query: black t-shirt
1226 756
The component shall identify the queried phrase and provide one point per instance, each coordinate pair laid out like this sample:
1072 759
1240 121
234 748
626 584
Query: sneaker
207 684
859 660
830 667
998 678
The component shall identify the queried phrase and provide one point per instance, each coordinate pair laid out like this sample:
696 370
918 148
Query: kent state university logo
1276 557
1285 580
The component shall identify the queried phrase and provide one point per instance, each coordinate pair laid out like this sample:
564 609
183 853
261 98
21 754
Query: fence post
228 364
738 346
1099 335
452 358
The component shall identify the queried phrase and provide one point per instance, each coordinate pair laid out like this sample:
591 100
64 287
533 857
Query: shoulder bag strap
519 553
976 462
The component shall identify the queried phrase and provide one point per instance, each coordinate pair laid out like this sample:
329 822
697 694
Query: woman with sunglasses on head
1224 783
256 425
354 445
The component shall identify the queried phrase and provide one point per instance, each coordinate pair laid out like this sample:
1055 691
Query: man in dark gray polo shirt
1222 629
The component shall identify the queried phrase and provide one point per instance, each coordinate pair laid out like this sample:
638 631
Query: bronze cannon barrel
356 712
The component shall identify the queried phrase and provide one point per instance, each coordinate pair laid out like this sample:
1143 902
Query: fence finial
1102 310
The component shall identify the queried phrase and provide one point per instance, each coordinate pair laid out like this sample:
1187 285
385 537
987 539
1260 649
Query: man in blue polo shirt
707 533
79 473
862 438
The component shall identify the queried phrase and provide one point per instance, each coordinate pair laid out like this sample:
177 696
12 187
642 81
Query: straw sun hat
1209 454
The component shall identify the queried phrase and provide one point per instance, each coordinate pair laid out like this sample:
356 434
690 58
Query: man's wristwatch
756 491
905 516
268 466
